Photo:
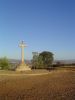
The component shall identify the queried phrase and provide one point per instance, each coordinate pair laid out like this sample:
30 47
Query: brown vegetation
58 85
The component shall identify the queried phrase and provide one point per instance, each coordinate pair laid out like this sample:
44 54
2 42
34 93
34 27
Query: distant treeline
62 64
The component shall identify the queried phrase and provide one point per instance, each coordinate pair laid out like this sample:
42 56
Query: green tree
4 63
47 58
35 60
42 60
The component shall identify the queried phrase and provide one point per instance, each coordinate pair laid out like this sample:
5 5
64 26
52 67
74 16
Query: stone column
22 66
22 55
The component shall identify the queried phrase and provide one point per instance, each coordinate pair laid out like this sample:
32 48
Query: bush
4 64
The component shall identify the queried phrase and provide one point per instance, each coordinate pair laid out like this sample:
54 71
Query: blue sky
44 25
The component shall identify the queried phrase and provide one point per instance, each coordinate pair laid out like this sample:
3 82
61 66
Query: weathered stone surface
23 67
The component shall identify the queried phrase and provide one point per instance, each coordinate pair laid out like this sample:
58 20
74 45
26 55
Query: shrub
4 63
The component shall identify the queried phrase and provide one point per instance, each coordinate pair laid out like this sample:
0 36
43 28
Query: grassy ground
57 85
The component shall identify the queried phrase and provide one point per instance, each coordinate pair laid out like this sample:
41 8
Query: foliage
4 63
47 58
35 60
42 60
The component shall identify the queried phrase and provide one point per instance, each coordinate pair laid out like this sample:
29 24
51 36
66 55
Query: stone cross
22 45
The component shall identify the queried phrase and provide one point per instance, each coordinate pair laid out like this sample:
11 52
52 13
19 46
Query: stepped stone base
23 67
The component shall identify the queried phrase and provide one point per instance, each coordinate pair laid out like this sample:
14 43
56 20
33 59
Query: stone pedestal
23 67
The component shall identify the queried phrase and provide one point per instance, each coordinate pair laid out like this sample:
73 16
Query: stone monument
22 66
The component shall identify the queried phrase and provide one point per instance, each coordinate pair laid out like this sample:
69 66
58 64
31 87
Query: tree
4 63
47 58
42 60
37 61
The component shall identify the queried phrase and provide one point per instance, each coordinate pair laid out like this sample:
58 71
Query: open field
56 85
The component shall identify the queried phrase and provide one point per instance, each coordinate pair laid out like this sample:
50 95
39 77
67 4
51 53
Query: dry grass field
56 85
